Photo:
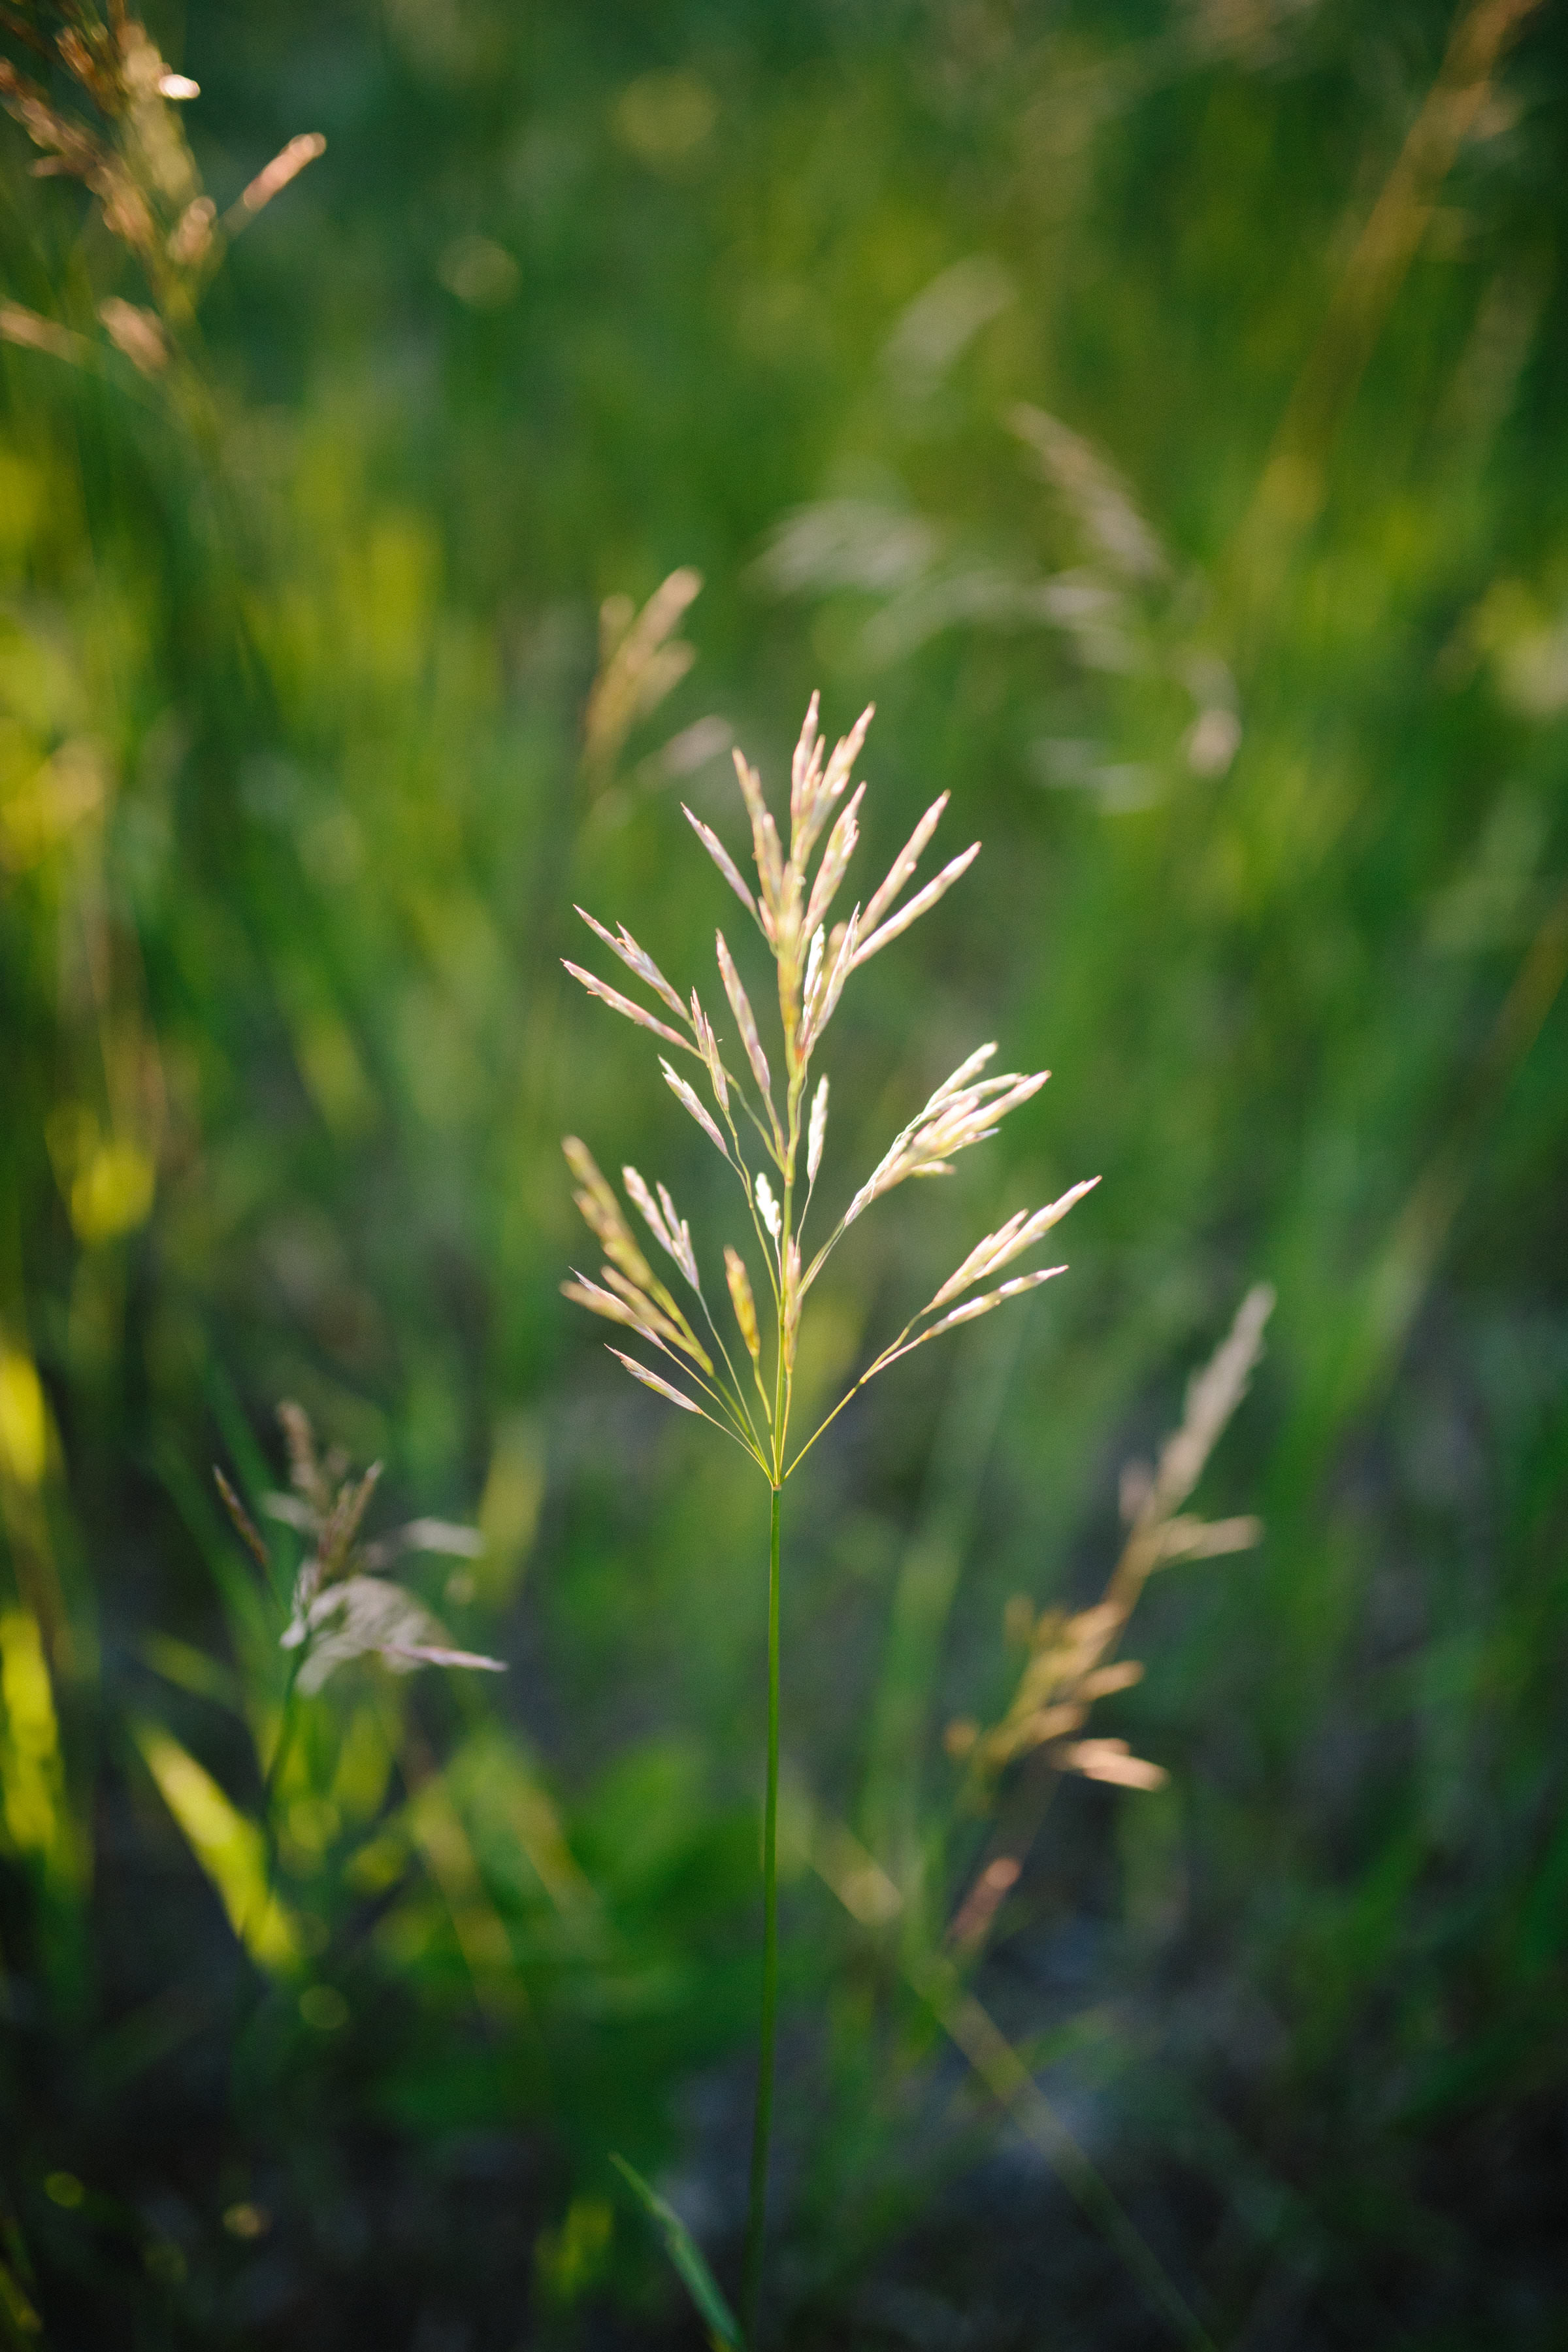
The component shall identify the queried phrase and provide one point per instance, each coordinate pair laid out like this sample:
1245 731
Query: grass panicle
769 1124
1069 1658
344 1605
124 139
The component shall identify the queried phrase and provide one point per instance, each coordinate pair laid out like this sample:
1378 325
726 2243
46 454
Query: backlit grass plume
766 1114
344 1605
123 139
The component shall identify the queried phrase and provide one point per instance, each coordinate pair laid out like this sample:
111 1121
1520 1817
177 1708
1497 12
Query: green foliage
1030 370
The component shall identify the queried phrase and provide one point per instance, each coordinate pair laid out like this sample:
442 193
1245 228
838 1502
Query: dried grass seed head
1213 1395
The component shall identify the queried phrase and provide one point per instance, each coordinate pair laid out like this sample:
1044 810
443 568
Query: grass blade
688 2258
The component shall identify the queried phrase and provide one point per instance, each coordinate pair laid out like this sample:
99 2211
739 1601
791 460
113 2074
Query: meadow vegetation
433 438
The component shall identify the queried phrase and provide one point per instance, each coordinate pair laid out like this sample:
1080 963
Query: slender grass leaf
688 2258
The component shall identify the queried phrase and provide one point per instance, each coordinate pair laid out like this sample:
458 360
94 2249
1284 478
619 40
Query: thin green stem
250 1989
850 1394
756 2219
274 1773
742 1431
740 1395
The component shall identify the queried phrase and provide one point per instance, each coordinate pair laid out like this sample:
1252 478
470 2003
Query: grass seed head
813 959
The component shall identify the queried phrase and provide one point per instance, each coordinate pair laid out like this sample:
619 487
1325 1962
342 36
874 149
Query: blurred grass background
1158 410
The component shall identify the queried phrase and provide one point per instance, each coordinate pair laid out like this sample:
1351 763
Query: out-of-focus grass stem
274 1776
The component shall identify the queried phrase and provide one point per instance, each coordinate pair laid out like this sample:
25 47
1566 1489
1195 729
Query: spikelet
685 1256
1212 1396
662 1387
1010 1241
957 1116
771 1213
285 165
723 861
600 1302
904 864
839 964
670 1330
971 1309
793 1295
815 788
601 1212
745 1020
985 1254
642 1200
766 848
840 849
305 1475
1111 1759
805 776
1104 1680
635 960
966 1071
244 1525
840 767
689 1101
812 965
818 1130
744 1305
673 1236
708 1045
920 904
619 1003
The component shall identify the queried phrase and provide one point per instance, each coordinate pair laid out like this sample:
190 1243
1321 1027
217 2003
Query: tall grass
814 960
1163 416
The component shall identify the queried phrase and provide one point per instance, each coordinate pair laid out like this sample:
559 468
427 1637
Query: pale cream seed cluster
813 957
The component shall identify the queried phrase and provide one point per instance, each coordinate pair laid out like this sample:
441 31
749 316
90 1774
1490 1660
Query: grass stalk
814 960
756 2219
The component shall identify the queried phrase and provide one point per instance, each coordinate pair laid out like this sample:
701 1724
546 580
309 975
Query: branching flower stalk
344 1606
771 1132
124 141
1071 1662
